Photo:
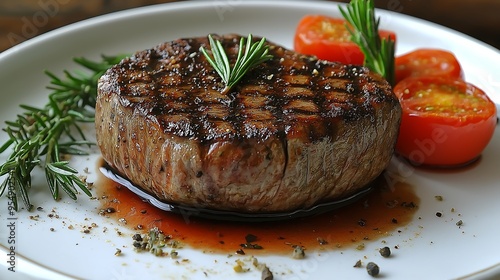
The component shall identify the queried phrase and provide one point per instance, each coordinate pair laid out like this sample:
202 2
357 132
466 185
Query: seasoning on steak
294 132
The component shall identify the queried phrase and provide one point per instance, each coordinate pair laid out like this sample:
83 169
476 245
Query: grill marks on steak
175 84
293 132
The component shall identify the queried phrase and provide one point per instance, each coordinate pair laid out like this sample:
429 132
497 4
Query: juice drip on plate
379 214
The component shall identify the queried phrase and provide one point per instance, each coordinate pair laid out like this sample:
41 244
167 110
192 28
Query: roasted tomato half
446 121
427 62
328 39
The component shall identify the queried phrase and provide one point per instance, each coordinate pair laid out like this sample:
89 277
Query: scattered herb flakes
298 252
108 210
360 247
155 241
88 184
240 252
157 251
86 228
258 265
174 254
410 205
358 264
137 237
246 264
173 243
459 223
83 178
439 198
255 262
118 252
266 274
240 266
52 215
362 222
250 238
35 217
372 269
251 246
321 241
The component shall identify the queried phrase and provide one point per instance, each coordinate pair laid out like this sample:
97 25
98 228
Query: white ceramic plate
429 248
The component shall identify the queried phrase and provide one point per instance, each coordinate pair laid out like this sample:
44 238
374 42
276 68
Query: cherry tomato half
427 62
328 39
445 122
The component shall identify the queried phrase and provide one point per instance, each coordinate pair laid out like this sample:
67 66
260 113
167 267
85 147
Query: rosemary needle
41 137
250 54
363 26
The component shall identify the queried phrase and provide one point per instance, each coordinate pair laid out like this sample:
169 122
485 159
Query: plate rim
193 4
74 27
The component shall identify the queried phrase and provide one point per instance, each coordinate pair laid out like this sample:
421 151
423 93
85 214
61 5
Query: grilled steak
295 131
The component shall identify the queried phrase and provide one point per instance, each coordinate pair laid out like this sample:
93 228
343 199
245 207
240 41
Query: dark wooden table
24 19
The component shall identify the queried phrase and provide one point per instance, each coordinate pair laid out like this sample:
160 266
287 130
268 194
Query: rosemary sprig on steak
42 136
250 54
363 26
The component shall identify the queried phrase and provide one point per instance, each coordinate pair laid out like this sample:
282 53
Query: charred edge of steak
174 84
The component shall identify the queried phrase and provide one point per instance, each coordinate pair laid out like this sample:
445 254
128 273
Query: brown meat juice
374 216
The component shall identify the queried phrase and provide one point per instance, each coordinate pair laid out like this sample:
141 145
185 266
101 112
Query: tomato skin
427 62
444 138
327 38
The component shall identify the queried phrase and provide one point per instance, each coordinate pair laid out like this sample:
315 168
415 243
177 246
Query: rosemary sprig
250 54
42 136
363 26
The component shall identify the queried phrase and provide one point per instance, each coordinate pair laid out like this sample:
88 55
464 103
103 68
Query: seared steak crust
295 131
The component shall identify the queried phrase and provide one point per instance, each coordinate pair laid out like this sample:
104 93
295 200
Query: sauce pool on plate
378 214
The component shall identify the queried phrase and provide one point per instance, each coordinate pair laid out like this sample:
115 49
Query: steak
294 132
